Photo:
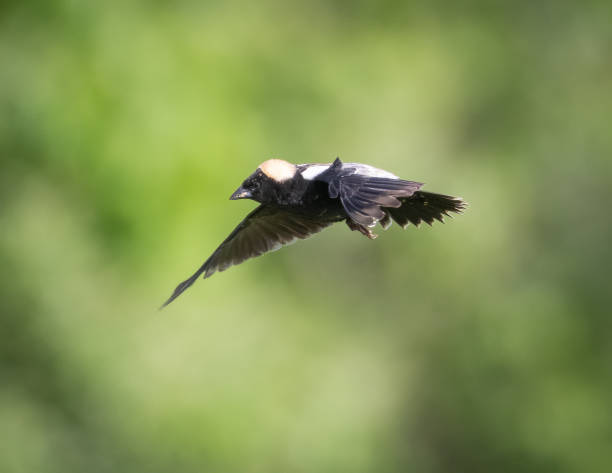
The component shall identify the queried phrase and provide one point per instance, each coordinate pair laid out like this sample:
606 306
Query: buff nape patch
278 169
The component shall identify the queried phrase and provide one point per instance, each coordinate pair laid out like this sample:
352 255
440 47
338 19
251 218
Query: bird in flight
298 200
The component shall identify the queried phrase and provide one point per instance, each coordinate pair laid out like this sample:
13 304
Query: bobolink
297 201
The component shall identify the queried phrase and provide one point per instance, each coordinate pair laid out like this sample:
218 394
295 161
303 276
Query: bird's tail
425 207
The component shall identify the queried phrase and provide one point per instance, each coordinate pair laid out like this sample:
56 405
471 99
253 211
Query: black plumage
297 201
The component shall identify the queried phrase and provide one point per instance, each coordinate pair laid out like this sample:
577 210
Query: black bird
299 200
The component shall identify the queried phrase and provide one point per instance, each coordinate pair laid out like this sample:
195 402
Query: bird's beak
241 194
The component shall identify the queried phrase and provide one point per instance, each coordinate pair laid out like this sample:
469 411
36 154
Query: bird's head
271 182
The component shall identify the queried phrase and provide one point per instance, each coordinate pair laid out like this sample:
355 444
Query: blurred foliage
481 345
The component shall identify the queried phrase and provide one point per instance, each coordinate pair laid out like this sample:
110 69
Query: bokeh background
480 345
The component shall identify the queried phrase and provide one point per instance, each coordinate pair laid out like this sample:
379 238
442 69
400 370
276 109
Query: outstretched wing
265 229
363 193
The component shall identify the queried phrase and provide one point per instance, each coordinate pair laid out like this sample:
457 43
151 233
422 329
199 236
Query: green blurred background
476 346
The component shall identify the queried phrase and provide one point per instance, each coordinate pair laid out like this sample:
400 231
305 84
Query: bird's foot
361 229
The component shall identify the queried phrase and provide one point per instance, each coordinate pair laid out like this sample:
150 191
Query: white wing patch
370 171
314 170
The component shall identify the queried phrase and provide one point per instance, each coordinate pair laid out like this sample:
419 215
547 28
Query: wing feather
265 229
364 195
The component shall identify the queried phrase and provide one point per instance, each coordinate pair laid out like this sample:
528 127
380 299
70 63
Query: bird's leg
361 229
